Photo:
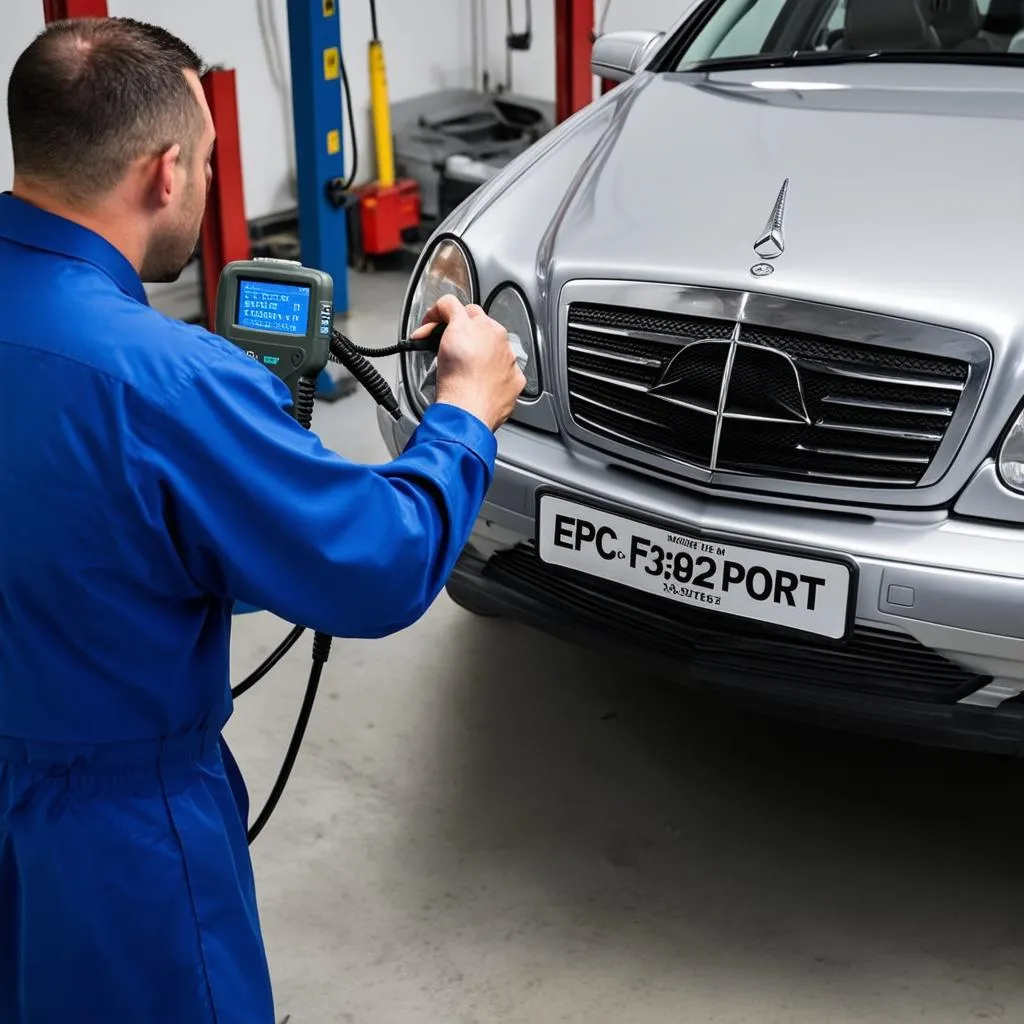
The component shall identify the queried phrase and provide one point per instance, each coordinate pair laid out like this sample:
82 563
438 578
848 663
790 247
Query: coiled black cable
377 353
431 343
345 353
305 400
353 358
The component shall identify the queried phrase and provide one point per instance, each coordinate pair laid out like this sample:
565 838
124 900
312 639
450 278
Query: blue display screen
273 306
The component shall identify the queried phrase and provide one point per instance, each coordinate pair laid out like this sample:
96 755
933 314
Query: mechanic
150 476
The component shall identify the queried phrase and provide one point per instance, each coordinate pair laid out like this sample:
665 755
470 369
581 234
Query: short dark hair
91 95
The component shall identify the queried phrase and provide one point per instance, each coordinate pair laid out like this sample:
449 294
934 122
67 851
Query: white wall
533 71
428 45
20 20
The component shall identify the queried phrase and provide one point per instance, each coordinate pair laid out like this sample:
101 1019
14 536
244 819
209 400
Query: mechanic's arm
263 513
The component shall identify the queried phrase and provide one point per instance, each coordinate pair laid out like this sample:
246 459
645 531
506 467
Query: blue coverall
150 476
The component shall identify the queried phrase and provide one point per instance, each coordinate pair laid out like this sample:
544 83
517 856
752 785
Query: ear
165 183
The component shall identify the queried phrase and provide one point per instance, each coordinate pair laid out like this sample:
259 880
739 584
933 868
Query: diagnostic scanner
279 313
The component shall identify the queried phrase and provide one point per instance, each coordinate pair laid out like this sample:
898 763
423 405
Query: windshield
770 31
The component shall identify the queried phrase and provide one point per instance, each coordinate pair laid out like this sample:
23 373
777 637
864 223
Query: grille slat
797 405
605 378
830 370
632 385
641 337
618 357
896 407
919 460
863 428
604 407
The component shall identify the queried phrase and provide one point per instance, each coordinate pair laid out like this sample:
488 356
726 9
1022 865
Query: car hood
905 189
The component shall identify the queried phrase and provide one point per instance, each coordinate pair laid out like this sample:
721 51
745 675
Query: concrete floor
487 825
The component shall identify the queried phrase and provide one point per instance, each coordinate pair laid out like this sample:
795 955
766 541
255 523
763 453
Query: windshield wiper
806 58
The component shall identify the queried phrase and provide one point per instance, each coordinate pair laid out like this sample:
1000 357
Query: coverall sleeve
263 513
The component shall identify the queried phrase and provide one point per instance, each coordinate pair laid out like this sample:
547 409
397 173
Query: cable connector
321 647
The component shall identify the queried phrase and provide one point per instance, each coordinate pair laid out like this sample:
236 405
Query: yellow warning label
328 8
333 142
332 63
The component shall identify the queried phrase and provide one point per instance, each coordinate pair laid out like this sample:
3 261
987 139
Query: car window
735 29
748 34
838 18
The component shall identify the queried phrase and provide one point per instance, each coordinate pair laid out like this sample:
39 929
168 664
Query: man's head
108 120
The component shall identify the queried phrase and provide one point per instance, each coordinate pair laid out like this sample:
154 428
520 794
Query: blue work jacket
151 475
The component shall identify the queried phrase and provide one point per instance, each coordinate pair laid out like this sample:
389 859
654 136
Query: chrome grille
757 400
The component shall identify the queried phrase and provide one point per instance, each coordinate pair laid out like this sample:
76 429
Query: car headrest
956 21
887 25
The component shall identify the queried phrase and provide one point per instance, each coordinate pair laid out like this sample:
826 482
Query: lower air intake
872 661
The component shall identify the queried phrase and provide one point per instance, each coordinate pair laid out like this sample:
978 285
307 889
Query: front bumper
938 647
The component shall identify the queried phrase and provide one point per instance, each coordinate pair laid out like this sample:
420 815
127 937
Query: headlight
446 272
509 308
1011 456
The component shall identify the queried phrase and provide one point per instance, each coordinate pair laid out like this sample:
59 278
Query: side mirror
619 55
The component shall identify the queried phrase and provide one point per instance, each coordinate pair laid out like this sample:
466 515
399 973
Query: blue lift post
314 32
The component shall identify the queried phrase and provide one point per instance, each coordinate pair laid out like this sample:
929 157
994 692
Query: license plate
768 586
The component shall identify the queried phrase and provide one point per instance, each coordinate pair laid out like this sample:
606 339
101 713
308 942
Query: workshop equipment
387 207
488 129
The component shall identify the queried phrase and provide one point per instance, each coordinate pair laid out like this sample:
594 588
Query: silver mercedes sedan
768 293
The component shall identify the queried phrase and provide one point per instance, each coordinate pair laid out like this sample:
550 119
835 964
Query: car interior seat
887 25
958 23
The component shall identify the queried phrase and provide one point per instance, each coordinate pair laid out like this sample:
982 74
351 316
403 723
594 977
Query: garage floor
487 825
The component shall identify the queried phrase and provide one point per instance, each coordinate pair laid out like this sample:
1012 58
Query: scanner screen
273 306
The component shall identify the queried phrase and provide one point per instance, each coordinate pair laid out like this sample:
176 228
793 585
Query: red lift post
60 10
574 43
225 233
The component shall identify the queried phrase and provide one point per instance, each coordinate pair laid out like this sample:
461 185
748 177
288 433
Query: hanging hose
351 176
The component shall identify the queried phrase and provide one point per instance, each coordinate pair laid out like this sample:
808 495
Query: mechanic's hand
476 365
